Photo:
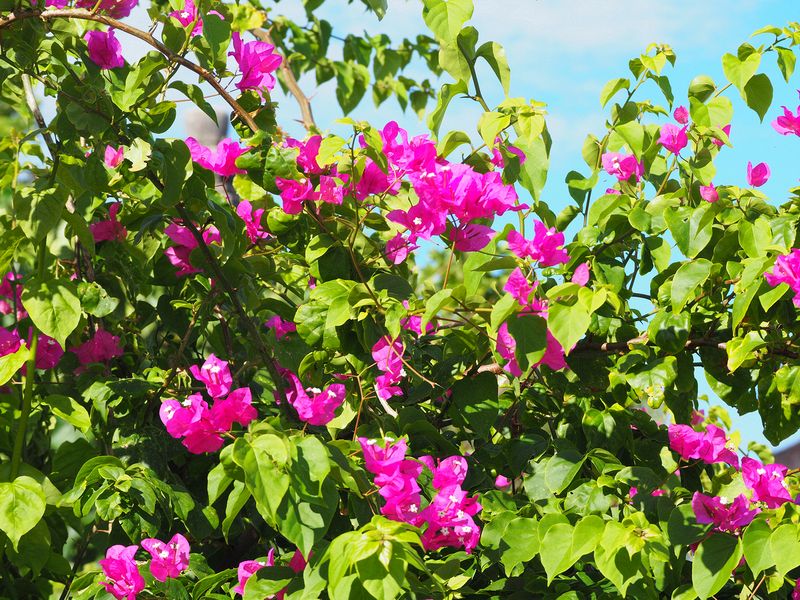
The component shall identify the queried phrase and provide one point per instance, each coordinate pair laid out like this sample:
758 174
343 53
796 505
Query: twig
291 83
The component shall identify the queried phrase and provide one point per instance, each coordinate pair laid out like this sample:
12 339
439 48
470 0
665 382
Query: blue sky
563 51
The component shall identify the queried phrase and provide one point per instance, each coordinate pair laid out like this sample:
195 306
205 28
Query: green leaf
758 94
692 228
95 300
715 559
69 410
786 61
742 349
670 331
784 545
445 95
265 462
11 363
561 469
701 88
451 141
351 85
491 124
688 278
756 546
611 88
195 94
53 306
738 71
38 213
474 403
445 18
217 34
9 242
569 322
494 54
378 7
22 504
717 113
530 334
557 556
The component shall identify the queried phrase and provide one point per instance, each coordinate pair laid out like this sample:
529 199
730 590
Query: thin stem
30 374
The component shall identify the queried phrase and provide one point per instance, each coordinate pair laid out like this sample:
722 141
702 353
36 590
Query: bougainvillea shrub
379 365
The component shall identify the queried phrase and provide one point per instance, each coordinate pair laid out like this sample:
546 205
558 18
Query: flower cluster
104 49
184 243
388 356
248 568
202 427
787 270
11 295
280 326
766 484
788 123
314 406
252 221
123 579
447 519
451 197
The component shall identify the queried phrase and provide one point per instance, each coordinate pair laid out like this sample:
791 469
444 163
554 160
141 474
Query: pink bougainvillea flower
110 229
447 472
399 248
257 61
216 374
726 517
507 345
170 559
104 49
710 446
757 175
237 407
48 352
471 237
118 9
681 115
307 152
252 221
613 192
184 243
11 295
497 157
787 270
248 568
698 417
330 189
622 166
192 421
314 406
10 341
294 193
414 322
388 357
673 138
517 285
501 482
123 578
56 3
189 15
113 156
374 181
796 591
450 522
280 326
581 274
787 123
102 347
221 161
709 193
768 482
720 143
545 247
